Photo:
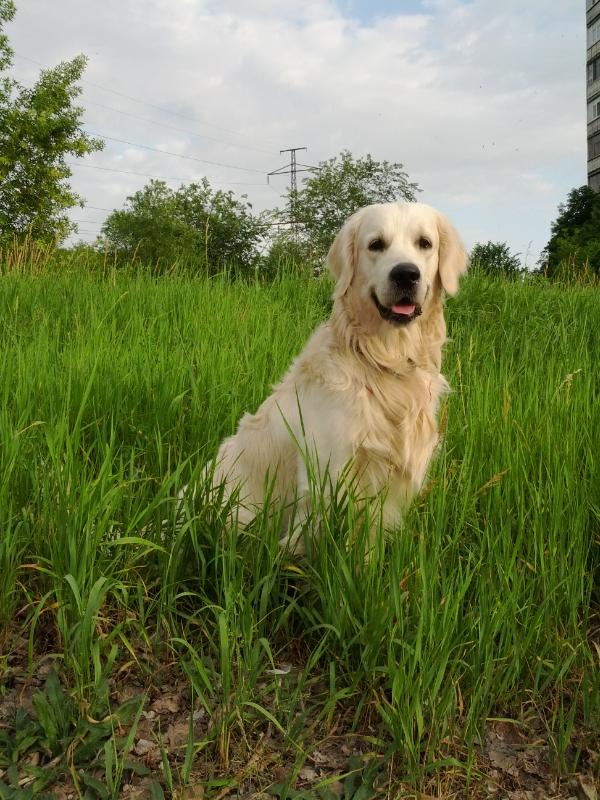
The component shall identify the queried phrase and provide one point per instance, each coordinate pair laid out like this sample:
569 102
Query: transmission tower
292 169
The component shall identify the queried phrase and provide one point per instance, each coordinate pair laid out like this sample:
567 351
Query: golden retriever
361 399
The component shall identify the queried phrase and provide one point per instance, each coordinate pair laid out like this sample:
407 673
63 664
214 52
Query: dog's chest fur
397 427
390 410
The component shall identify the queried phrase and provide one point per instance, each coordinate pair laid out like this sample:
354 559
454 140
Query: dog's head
395 256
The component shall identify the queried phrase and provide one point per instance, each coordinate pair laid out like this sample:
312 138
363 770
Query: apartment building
593 92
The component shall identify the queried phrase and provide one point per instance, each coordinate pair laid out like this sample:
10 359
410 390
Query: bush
495 258
193 228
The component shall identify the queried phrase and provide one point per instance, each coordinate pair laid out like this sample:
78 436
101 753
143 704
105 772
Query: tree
148 227
39 127
341 186
495 258
574 235
194 226
7 13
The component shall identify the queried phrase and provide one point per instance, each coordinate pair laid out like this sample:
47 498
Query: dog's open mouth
400 313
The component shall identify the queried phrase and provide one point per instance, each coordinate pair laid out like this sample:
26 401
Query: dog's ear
342 256
453 256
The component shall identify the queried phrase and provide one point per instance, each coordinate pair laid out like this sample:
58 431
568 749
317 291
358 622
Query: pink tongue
407 310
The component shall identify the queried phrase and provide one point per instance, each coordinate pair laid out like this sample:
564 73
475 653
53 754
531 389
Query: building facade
593 92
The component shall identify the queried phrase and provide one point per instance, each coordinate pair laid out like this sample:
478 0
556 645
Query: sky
482 102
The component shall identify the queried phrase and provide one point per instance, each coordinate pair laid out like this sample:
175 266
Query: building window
593 33
594 110
589 4
594 146
593 70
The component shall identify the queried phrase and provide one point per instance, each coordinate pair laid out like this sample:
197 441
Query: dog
361 400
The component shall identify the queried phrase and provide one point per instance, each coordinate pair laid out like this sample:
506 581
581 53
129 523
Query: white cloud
483 102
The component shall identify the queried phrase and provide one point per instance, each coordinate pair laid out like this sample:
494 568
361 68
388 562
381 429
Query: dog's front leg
292 538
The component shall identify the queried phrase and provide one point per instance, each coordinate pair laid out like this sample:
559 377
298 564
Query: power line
156 177
165 110
123 172
181 130
266 225
141 102
171 127
175 155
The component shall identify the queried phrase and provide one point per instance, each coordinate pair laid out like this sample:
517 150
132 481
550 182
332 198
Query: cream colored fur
364 393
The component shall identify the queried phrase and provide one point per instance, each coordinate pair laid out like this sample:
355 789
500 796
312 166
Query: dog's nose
405 274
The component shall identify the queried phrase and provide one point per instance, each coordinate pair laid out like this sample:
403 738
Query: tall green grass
115 391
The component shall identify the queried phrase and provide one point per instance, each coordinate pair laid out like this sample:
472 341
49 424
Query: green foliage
54 712
60 738
114 393
495 258
574 243
39 127
340 187
195 227
7 13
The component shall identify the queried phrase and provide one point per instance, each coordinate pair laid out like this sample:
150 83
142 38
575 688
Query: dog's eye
376 244
424 243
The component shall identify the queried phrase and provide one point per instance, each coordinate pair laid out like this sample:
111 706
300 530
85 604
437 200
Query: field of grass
146 655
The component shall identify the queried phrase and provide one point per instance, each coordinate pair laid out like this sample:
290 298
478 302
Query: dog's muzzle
400 307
